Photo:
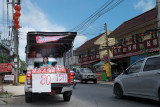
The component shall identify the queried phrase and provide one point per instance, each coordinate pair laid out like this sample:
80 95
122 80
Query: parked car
85 74
141 79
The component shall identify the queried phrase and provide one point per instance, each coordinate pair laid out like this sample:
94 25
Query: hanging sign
44 39
107 69
5 67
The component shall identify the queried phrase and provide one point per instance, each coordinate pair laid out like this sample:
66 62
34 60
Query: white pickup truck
54 80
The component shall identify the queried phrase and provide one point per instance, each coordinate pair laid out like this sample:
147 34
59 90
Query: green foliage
3 58
23 65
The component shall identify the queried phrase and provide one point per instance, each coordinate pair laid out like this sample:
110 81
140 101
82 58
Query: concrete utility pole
16 44
108 52
158 18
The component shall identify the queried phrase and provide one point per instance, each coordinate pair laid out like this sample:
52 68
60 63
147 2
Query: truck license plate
90 76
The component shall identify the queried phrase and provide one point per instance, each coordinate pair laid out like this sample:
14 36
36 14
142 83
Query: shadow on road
47 100
140 100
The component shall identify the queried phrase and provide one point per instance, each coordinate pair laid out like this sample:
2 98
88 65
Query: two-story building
135 39
93 51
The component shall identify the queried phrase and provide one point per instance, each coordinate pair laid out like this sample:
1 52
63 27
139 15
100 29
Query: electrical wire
74 29
100 14
86 22
84 25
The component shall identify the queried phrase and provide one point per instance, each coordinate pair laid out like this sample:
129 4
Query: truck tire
81 81
28 97
85 81
95 81
67 96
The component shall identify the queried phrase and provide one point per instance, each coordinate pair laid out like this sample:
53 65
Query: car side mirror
24 71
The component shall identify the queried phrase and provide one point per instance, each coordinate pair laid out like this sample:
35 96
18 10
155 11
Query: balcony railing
89 58
147 44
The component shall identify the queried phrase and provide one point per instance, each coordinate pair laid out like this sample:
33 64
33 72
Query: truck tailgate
42 82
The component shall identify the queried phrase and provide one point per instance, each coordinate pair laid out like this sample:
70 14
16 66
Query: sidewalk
12 90
15 90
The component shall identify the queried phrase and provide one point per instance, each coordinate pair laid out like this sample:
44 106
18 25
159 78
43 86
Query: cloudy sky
63 15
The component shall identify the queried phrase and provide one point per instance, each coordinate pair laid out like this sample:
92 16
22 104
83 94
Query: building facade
135 39
92 52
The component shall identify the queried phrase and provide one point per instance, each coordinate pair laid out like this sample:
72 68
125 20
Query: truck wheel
28 97
67 96
95 81
85 81
81 81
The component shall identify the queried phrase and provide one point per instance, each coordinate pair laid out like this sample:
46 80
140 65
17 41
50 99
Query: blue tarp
136 58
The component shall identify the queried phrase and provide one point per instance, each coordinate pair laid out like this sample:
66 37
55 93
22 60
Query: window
154 35
136 67
152 64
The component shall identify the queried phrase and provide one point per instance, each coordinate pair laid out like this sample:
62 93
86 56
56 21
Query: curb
2 102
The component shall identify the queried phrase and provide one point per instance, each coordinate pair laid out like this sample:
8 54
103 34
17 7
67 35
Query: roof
89 43
68 39
134 22
6 47
65 43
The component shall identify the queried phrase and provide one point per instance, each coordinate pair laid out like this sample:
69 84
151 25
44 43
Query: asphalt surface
84 95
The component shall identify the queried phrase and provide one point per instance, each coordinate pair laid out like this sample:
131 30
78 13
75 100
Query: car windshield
86 71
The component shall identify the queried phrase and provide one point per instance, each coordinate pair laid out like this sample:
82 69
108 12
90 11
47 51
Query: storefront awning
75 67
101 63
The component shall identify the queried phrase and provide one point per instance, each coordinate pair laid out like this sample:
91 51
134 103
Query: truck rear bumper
60 88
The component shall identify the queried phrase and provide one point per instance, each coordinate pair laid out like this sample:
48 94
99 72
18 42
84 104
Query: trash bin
104 76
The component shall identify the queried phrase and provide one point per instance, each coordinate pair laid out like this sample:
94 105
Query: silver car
85 74
141 79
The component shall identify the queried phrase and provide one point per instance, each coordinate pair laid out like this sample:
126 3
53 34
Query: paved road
84 95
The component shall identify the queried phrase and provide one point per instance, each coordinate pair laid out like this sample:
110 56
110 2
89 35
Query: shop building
135 39
93 51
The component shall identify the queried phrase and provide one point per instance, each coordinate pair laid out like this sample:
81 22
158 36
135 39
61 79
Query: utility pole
158 18
16 44
107 45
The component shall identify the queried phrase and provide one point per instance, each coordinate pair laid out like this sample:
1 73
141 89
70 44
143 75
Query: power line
107 10
85 24
89 17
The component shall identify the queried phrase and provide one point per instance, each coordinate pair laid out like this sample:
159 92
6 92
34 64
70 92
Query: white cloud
23 41
33 19
145 5
79 40
33 16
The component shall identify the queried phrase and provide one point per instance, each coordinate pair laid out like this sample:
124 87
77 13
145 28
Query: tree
22 65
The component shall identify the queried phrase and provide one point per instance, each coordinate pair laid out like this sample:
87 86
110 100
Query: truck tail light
71 77
29 78
66 70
